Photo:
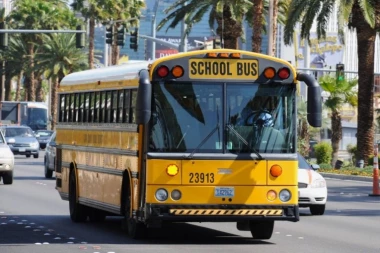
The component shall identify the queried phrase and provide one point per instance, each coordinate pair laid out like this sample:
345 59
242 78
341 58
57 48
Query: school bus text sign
223 69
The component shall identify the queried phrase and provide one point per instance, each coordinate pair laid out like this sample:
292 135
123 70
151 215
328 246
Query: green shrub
370 160
326 166
323 152
351 149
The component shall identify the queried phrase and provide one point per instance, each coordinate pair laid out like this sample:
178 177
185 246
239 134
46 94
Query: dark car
43 137
49 160
21 140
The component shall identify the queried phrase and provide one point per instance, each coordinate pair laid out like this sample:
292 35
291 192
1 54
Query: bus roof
124 71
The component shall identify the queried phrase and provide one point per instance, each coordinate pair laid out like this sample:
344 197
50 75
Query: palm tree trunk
39 90
366 51
257 10
18 87
54 102
91 43
336 135
228 29
115 54
8 87
274 22
31 89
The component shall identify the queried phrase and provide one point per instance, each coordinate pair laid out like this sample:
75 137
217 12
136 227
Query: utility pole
154 18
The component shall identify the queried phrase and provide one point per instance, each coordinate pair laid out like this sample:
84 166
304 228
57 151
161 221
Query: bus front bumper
227 213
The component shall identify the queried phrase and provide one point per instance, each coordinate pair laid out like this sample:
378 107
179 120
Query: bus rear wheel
261 229
78 212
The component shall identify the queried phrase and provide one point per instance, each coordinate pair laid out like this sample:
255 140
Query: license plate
224 192
21 149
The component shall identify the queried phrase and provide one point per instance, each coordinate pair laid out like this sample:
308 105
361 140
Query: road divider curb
346 177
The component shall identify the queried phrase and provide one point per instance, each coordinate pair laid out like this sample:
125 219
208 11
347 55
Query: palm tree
38 14
58 57
361 16
256 19
228 14
341 92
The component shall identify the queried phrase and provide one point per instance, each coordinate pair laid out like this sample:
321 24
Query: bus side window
86 108
126 106
133 106
108 107
91 107
120 106
62 108
114 106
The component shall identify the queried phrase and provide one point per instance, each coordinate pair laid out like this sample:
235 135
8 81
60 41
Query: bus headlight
161 195
285 195
176 194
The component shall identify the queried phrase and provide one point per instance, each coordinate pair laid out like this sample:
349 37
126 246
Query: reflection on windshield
37 118
184 114
196 117
18 132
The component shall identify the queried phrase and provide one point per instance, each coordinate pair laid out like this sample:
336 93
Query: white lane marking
71 238
27 226
288 235
70 242
37 243
301 238
57 238
45 243
46 234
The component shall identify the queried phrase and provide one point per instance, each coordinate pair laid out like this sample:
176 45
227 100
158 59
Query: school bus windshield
197 116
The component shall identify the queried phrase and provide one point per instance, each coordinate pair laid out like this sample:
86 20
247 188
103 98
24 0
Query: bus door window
133 107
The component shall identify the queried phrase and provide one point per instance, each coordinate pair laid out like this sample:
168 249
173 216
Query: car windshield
18 132
302 163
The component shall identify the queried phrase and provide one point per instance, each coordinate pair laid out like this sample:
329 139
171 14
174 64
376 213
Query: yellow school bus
206 135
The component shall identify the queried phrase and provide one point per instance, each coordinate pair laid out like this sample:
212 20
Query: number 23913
201 178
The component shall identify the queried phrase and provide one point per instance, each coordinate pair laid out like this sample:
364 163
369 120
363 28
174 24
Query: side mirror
315 166
144 96
11 141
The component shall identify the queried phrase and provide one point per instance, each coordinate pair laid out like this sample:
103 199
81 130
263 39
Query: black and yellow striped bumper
222 213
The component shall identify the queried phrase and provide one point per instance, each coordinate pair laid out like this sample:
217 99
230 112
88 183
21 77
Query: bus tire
48 172
135 229
96 215
261 229
78 212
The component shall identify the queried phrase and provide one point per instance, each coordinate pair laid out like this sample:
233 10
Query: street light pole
153 48
270 33
183 44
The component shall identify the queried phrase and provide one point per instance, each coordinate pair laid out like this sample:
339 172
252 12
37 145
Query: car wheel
27 156
48 172
8 177
261 229
35 156
317 209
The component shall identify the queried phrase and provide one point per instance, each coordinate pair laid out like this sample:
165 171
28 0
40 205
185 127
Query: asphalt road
33 218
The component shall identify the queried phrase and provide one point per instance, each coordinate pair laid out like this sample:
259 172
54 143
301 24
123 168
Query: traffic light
80 39
134 39
120 36
3 36
216 44
109 34
339 72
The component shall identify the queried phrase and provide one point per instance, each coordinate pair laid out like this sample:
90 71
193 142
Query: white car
312 189
6 161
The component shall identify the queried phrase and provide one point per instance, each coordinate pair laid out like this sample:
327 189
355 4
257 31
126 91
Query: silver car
49 160
21 140
6 161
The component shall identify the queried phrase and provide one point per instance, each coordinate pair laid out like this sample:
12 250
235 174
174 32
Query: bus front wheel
261 229
77 211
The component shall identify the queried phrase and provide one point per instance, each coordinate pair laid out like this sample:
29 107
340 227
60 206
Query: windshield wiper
203 141
244 141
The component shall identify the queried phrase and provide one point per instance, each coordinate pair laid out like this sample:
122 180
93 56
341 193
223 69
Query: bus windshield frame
222 117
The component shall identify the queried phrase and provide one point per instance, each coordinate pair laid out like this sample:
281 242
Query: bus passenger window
133 106
126 106
91 112
113 106
86 108
62 109
108 101
120 106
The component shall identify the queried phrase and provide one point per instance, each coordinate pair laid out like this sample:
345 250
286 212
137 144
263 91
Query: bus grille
265 212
